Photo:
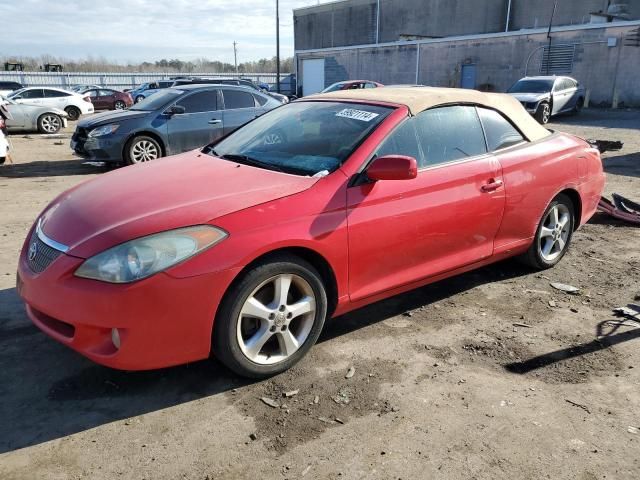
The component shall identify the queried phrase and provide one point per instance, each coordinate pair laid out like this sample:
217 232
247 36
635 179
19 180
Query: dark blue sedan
172 121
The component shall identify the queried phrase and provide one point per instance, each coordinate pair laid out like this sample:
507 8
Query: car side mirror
175 110
393 167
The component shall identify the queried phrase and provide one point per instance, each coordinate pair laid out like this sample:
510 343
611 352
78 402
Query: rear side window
402 141
500 133
261 100
447 134
236 99
200 102
55 94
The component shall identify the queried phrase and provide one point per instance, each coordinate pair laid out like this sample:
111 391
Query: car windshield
532 86
302 138
158 100
333 88
15 92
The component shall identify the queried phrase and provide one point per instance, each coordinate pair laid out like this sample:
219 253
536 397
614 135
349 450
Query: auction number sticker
361 115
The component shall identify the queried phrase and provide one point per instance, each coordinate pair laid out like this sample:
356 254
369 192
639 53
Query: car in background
147 89
6 87
352 85
82 88
4 143
243 82
245 248
546 96
73 103
108 99
171 121
40 118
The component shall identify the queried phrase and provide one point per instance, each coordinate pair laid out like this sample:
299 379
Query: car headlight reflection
146 256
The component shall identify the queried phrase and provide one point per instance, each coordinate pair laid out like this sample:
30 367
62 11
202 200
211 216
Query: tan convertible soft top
418 99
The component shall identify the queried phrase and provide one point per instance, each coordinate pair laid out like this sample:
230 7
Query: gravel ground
489 375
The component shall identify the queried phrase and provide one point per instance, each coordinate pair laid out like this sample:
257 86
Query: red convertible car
243 249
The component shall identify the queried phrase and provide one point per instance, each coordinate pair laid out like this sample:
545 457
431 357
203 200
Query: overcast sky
137 30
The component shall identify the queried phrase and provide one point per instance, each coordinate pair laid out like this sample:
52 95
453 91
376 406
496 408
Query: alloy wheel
144 151
50 123
276 319
554 233
546 113
120 105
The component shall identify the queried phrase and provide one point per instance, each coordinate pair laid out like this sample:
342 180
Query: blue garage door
468 76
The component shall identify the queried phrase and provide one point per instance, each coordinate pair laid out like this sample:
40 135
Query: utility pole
235 55
277 46
553 13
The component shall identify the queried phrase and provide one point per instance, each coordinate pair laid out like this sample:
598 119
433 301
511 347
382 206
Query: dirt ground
490 375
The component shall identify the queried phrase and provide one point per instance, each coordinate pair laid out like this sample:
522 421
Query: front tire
141 149
553 235
49 123
271 317
73 112
138 99
543 113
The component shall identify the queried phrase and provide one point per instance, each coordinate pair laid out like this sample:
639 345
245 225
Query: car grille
40 255
80 137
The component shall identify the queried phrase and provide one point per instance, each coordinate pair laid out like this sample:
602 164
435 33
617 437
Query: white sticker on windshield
357 114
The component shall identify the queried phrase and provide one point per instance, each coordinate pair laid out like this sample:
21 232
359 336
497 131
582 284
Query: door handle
492 185
214 121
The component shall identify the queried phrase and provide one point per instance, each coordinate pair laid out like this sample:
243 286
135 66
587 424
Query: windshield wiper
247 160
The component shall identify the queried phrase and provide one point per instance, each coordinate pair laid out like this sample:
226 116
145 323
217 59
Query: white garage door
312 76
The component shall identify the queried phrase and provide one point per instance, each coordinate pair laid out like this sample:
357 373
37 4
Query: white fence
118 80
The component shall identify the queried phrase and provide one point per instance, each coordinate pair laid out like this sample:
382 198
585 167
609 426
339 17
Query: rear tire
578 107
141 149
120 105
543 113
553 234
270 317
73 112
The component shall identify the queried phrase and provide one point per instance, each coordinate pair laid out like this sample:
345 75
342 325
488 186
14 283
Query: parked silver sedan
544 97
39 118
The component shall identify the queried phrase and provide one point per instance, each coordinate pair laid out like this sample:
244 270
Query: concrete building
484 44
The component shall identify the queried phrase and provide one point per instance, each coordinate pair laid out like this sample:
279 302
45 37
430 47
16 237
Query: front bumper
102 149
162 321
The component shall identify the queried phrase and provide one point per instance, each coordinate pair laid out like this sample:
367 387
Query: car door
562 94
20 117
107 99
33 96
446 218
56 98
239 108
201 123
94 95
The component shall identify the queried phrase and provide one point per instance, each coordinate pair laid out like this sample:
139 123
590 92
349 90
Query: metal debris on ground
563 287
621 208
606 145
350 372
524 325
268 401
575 404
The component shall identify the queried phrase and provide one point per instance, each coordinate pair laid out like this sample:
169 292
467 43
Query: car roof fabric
419 99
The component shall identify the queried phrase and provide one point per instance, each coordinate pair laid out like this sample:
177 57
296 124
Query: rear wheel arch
576 200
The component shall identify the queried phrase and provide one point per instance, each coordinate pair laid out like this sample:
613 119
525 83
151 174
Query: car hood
110 117
530 97
188 189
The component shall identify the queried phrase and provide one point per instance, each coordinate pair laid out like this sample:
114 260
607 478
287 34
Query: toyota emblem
33 251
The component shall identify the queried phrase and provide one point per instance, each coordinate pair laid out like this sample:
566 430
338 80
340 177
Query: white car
73 103
4 147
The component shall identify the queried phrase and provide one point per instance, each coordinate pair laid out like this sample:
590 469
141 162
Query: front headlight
146 256
103 130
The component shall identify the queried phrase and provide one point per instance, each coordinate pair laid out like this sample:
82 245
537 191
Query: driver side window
403 141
